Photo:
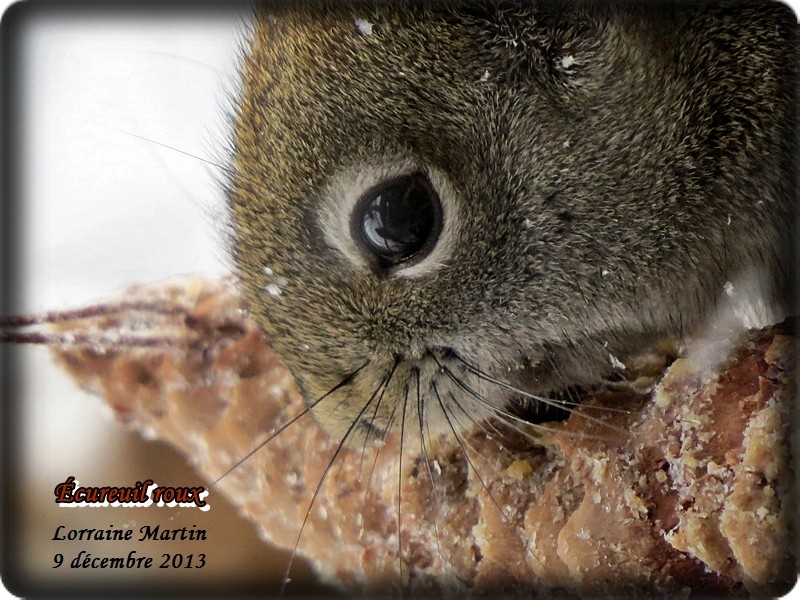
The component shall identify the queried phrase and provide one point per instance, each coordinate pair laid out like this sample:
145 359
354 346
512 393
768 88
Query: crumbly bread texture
684 490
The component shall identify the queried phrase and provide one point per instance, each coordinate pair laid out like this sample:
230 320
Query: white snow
364 27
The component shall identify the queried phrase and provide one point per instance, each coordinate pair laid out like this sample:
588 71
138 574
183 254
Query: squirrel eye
398 220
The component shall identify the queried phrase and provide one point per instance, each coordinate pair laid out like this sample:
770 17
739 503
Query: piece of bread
686 489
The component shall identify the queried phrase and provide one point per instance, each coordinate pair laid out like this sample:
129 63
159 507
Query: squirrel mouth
528 403
559 406
443 391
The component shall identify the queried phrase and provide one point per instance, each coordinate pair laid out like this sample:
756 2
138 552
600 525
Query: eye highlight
398 220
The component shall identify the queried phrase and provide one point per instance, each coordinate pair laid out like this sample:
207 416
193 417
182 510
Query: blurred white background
100 208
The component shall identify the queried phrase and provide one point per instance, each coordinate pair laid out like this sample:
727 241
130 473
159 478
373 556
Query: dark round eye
398 220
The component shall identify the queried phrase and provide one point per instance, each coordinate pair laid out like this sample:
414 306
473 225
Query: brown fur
652 170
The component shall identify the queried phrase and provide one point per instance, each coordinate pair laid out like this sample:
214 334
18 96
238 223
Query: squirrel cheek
354 411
